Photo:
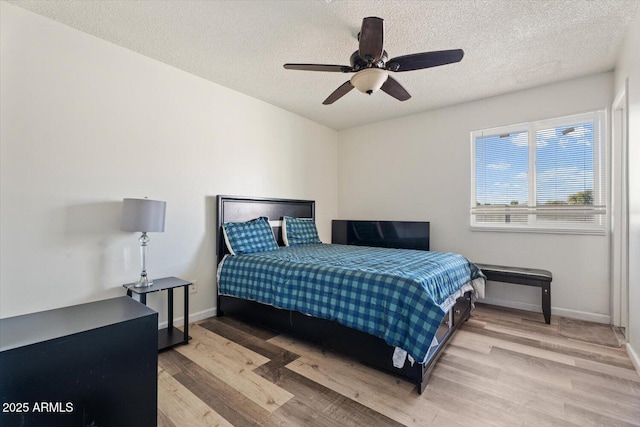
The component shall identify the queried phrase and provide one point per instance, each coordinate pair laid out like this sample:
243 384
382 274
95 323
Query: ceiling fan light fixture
369 80
371 65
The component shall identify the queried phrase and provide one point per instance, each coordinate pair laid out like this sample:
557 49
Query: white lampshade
143 215
369 80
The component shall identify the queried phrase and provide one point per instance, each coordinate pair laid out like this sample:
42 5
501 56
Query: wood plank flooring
504 367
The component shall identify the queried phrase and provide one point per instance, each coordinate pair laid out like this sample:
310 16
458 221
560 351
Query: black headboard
241 208
386 234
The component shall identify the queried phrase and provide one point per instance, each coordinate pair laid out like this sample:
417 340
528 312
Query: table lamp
144 216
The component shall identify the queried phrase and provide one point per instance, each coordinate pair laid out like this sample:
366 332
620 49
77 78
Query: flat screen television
386 234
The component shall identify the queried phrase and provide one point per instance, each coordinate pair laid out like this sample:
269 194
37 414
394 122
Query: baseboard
634 357
193 317
582 315
574 314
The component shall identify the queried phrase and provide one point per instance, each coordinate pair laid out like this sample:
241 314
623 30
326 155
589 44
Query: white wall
85 123
628 67
418 168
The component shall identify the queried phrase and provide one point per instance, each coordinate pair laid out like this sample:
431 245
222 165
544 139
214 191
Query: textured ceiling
509 45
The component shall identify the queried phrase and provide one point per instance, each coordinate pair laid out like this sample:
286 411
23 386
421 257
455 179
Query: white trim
512 304
193 317
619 221
539 230
536 308
582 315
634 357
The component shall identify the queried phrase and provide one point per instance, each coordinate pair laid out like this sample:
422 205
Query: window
540 176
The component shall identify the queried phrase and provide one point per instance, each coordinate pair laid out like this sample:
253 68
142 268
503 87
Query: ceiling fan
371 65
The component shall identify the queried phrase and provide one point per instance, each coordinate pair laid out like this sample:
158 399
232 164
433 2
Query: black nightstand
170 336
79 358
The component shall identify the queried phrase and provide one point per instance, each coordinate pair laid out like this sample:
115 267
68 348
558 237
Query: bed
340 296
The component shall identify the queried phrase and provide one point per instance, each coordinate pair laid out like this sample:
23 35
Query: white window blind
545 175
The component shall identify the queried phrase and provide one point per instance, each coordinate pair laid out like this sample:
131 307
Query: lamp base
143 282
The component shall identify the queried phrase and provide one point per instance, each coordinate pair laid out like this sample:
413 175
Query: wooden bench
523 276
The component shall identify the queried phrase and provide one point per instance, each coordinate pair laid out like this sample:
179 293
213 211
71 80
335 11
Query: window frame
600 207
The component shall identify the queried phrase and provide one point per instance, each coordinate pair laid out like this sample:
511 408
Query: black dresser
89 365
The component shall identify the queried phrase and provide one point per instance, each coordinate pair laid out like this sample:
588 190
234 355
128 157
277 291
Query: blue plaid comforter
394 294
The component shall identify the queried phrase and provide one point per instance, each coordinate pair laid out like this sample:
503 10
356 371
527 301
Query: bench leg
546 302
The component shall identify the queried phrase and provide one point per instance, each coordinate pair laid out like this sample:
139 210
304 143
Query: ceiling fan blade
395 89
371 39
339 93
319 67
418 61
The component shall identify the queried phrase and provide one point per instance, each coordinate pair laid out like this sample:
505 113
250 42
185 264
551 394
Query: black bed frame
330 335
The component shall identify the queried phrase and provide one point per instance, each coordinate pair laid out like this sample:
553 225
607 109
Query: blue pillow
298 231
251 236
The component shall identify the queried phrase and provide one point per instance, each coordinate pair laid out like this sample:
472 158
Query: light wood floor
503 368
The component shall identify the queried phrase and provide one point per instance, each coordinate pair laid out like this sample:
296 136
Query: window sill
539 230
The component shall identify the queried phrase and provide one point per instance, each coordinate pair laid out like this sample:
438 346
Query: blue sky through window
502 164
564 162
564 166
